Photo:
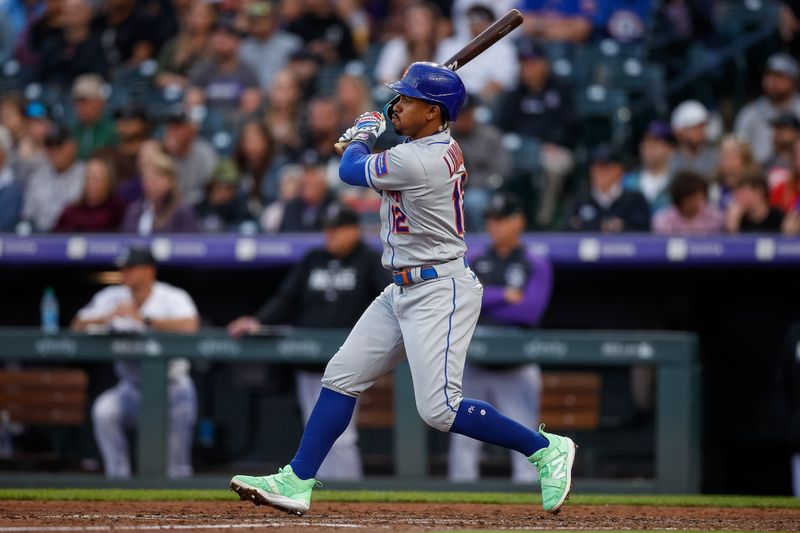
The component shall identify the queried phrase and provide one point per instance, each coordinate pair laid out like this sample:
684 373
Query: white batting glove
347 136
367 128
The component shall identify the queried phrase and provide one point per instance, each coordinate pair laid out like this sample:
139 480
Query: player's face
411 115
135 277
504 231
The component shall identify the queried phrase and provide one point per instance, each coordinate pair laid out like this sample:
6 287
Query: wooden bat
499 29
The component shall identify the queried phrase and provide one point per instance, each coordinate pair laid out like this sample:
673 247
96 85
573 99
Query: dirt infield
215 516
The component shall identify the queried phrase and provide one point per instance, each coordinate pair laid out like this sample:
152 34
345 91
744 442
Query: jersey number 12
458 202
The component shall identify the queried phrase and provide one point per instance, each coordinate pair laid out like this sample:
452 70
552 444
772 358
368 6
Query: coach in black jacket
330 288
607 207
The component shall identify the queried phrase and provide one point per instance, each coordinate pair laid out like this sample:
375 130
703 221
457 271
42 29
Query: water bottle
49 309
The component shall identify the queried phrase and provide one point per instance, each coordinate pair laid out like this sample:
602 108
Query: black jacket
631 207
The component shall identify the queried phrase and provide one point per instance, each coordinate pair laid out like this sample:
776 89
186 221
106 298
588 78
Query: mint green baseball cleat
554 464
283 490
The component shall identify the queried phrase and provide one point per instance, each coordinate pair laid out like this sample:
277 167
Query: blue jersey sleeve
353 167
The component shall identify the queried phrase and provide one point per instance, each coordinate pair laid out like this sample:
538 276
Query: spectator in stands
494 71
324 32
290 178
540 108
43 22
194 157
258 162
786 194
283 116
625 21
11 189
653 179
322 133
607 207
133 128
558 20
355 15
267 48
488 161
749 211
694 152
98 209
93 128
56 185
779 87
160 210
304 213
73 51
690 213
417 43
353 98
329 288
190 46
785 133
789 31
224 208
222 82
142 303
306 67
132 31
735 161
27 125
516 292
458 12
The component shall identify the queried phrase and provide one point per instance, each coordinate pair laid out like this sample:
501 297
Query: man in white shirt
140 304
55 185
492 72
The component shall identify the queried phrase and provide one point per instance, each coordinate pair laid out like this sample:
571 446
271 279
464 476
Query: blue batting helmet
433 83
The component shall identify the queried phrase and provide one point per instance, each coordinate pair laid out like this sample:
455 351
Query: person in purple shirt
516 292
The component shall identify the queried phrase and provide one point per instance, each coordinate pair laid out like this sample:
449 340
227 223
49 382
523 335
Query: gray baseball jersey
421 183
429 323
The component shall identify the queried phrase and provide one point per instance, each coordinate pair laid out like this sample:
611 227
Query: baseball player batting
428 314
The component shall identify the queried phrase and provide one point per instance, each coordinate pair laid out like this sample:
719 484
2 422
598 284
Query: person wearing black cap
133 128
141 303
516 292
540 109
779 95
607 207
654 176
493 71
57 184
194 156
785 132
223 82
329 288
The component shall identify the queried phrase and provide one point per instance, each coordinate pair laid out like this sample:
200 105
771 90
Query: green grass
397 496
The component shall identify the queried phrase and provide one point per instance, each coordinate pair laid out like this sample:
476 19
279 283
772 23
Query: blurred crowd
156 116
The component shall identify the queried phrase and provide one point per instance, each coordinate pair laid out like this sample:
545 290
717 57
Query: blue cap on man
433 83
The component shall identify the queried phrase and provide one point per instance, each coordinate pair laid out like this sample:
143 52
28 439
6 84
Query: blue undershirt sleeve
353 166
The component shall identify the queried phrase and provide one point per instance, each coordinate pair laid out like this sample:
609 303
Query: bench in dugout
50 399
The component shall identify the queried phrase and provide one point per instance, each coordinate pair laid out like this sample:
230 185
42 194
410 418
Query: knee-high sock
481 421
328 420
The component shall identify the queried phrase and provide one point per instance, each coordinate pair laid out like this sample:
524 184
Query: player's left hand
371 121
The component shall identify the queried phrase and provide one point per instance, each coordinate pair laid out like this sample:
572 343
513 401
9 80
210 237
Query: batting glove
367 128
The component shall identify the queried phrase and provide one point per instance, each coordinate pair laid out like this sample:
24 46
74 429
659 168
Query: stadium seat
12 77
604 115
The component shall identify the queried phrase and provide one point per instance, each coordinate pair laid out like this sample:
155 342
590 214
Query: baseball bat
499 29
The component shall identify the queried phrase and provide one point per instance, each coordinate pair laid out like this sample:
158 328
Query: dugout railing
673 354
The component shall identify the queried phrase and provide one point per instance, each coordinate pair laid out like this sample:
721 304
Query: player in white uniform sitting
141 303
428 315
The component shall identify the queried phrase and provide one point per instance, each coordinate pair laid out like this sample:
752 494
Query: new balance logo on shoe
559 468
